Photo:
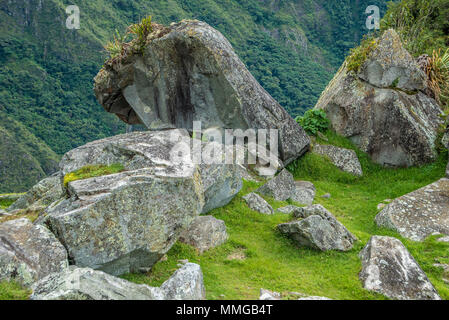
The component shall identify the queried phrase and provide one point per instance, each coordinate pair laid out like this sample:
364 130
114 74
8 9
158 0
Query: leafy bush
92 171
314 121
359 54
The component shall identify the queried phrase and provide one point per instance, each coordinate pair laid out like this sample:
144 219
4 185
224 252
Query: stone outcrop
205 233
445 142
304 192
190 72
344 159
280 187
381 107
257 203
88 284
318 229
29 252
41 195
126 221
389 269
157 150
419 214
294 210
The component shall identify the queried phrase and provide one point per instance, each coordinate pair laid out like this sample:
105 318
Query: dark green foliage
314 121
359 54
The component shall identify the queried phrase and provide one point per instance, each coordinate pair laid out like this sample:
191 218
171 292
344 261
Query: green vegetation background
292 47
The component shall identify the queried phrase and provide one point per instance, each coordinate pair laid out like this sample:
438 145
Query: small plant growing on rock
92 171
314 121
359 54
141 30
116 46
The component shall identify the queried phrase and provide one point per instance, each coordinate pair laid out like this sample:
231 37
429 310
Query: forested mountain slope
292 47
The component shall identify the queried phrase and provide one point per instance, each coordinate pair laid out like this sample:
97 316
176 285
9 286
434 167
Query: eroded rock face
395 126
257 203
281 187
140 150
205 233
344 159
389 269
419 214
319 230
190 72
446 143
88 284
29 252
123 222
41 195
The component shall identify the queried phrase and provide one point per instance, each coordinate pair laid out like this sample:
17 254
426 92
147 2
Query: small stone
205 233
344 159
257 203
327 196
304 192
269 295
289 210
280 187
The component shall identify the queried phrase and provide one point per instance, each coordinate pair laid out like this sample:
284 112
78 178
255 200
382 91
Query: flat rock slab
304 192
319 230
281 187
419 214
29 252
344 159
88 284
205 233
257 203
389 269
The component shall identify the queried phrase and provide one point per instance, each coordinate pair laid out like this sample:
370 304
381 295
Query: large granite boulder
159 150
419 214
389 269
41 195
281 187
344 159
318 229
205 233
29 252
127 221
190 72
381 107
88 284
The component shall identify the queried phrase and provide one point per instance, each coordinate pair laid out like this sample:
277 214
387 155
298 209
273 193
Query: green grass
275 263
92 171
13 291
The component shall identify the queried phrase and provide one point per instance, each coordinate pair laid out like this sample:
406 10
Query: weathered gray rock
419 214
344 159
445 142
294 210
257 203
205 233
281 187
3 213
390 65
389 269
319 230
41 195
190 72
127 221
304 192
186 284
139 150
395 127
88 284
29 252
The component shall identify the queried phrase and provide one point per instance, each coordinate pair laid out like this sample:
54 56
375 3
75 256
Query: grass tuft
92 171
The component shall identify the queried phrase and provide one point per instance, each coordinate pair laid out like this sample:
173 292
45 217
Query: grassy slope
275 263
